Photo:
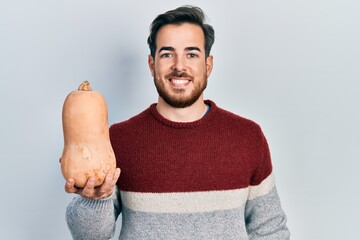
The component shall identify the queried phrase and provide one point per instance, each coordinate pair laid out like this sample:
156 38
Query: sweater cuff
97 205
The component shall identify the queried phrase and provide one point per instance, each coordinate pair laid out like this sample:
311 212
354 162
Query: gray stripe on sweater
225 224
89 219
265 219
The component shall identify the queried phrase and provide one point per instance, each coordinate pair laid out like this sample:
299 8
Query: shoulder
132 122
235 121
133 126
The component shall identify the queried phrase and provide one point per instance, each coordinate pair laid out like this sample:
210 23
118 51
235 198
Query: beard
177 97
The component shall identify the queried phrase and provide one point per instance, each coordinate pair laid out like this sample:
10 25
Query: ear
151 63
209 65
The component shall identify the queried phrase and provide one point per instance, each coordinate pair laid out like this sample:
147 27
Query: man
189 169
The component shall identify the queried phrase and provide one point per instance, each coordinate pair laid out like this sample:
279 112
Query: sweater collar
201 121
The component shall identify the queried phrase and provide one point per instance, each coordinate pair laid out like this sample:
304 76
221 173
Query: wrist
110 196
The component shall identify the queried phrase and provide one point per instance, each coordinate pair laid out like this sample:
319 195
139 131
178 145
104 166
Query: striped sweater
208 179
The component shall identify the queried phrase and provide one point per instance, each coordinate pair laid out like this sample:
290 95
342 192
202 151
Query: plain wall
291 66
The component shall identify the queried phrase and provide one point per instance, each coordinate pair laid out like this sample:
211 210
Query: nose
179 63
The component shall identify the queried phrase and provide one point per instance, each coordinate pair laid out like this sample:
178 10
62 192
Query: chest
183 161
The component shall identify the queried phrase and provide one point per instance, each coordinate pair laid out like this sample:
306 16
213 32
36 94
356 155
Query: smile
179 82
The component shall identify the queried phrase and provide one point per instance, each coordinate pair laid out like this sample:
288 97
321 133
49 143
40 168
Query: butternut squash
87 149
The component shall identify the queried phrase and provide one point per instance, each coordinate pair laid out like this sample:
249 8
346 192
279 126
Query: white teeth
179 81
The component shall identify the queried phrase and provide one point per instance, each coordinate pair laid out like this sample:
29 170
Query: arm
90 215
264 216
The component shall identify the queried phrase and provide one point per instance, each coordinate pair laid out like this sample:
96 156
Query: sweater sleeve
92 219
264 216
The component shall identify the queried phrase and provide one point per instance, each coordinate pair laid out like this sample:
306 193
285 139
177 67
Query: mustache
178 74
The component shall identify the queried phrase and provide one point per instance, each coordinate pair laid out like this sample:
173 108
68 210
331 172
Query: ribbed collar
202 121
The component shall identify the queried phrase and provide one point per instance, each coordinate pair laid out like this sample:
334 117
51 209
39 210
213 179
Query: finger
108 184
112 178
88 191
107 188
70 186
115 177
116 174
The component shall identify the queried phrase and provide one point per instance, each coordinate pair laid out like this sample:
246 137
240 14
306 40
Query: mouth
179 82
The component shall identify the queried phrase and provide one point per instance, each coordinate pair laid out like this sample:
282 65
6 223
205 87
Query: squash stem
85 86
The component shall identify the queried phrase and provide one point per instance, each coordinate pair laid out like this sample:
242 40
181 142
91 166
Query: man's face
180 68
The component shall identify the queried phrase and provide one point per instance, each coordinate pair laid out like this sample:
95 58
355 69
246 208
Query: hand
90 191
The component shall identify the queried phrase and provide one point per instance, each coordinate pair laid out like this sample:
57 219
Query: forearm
91 219
265 218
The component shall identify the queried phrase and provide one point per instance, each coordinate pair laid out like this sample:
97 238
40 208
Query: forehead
180 36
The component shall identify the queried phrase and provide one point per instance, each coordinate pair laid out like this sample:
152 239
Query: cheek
200 71
161 70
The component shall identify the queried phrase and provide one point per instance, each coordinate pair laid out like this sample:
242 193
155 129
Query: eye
192 55
166 55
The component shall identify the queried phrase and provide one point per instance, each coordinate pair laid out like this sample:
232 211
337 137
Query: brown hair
184 14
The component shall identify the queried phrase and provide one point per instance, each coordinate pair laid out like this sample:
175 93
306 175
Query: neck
189 114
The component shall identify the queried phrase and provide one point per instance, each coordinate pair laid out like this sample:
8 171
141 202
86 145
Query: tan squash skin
87 148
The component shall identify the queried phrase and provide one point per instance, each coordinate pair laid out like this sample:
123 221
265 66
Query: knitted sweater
208 179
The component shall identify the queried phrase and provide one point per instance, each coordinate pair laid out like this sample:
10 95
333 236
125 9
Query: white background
291 66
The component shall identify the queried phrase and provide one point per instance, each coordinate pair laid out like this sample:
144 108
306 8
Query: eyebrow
173 49
192 49
166 49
